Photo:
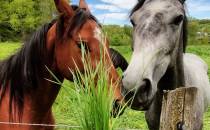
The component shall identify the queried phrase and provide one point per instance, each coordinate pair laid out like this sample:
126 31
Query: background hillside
19 18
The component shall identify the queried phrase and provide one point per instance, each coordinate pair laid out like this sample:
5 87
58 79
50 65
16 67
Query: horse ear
64 7
84 5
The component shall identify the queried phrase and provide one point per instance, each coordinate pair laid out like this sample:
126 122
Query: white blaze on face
99 35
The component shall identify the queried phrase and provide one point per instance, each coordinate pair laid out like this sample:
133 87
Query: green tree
118 35
27 15
128 30
193 28
6 31
24 16
198 31
45 10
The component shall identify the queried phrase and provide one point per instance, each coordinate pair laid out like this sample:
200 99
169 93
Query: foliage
118 35
20 17
199 31
21 14
6 31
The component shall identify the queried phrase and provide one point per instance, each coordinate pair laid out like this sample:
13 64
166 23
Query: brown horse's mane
22 71
185 22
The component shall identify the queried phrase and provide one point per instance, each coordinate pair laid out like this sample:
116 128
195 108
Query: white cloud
116 11
198 6
114 5
113 11
110 8
124 4
113 16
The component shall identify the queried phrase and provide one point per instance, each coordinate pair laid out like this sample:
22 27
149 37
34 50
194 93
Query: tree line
18 18
21 17
198 31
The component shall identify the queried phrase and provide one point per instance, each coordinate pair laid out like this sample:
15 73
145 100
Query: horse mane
137 6
21 71
118 60
185 22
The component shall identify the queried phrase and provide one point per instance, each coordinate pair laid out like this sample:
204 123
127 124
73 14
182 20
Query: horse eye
132 22
84 44
177 20
167 51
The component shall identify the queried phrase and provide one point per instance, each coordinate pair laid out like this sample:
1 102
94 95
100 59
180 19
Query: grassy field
66 113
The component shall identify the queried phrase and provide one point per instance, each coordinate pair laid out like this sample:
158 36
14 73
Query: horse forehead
94 31
162 10
98 34
165 6
88 29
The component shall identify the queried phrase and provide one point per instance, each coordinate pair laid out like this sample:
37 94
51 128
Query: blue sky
117 11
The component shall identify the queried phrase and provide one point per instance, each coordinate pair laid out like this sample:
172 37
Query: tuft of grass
94 98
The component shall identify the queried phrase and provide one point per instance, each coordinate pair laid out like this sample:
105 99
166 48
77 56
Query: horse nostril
144 90
146 86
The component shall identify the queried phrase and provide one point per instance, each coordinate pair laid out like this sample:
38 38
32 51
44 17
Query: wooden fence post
182 109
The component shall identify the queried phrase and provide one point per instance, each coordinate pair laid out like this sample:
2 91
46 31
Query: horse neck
46 90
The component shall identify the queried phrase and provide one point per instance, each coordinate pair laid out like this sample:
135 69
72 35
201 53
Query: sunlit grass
8 48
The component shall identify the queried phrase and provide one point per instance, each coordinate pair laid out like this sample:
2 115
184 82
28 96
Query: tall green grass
94 96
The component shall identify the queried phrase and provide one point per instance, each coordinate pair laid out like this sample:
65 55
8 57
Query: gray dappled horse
159 61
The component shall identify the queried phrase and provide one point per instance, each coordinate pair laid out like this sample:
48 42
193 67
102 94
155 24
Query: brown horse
25 94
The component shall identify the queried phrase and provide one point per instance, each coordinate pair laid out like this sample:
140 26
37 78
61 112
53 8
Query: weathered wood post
182 109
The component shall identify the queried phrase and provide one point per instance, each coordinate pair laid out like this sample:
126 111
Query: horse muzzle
139 98
118 108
